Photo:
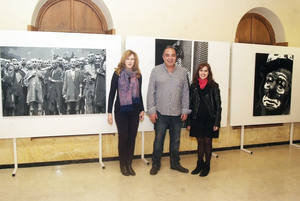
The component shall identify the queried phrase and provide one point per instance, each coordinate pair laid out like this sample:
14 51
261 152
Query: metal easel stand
292 136
242 141
15 157
143 149
215 155
100 151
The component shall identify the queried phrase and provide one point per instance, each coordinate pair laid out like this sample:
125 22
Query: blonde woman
129 107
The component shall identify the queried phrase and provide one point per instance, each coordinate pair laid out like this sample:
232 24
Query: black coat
212 100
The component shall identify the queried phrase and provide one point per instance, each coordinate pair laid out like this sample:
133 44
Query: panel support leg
215 155
100 151
143 149
15 157
242 141
292 136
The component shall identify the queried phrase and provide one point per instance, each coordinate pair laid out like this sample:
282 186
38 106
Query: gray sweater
168 93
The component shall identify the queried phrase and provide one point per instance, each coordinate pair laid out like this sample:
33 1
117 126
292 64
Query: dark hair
170 47
210 80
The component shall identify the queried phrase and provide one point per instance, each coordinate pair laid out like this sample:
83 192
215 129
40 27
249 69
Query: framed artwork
183 52
55 83
273 84
264 84
52 81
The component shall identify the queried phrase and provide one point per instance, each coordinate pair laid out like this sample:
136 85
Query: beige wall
192 19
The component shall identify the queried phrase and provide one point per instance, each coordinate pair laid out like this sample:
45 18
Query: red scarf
202 83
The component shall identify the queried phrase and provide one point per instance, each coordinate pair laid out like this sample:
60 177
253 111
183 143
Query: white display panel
54 125
242 85
218 57
141 46
219 60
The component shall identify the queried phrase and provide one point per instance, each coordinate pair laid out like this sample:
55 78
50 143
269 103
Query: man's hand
183 117
153 117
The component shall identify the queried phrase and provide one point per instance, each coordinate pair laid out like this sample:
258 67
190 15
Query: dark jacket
212 100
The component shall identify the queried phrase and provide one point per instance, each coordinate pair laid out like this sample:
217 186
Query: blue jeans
164 122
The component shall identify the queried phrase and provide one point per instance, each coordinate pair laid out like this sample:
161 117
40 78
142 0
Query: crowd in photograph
35 86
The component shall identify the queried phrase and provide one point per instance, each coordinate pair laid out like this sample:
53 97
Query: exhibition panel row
37 99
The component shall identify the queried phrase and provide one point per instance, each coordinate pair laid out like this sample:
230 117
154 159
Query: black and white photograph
200 54
52 81
273 84
183 52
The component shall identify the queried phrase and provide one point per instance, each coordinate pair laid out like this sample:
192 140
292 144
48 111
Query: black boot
205 170
199 167
124 170
130 170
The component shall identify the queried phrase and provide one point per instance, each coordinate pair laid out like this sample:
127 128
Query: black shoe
130 170
179 168
124 171
154 170
205 170
199 167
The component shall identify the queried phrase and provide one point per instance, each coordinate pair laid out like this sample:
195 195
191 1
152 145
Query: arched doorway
261 26
254 28
79 16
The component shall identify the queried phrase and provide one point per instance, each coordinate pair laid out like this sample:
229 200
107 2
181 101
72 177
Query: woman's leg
208 151
133 124
122 125
200 151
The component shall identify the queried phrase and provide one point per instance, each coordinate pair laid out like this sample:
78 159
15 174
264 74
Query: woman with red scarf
129 108
204 121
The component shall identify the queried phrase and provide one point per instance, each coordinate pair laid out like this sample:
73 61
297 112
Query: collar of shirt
166 69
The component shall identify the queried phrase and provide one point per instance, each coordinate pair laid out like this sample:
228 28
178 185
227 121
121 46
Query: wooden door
254 28
71 16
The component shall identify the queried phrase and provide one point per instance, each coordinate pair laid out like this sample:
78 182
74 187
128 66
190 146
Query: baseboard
96 160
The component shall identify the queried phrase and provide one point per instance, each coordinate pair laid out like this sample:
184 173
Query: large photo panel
55 83
264 84
189 54
37 81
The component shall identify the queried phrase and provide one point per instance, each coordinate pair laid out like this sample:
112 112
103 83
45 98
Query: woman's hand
109 118
141 115
188 128
216 128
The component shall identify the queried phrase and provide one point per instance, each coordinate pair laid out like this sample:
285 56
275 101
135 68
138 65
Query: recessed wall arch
274 21
265 27
93 8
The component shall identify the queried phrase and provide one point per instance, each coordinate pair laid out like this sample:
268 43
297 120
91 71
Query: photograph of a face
52 81
273 84
183 52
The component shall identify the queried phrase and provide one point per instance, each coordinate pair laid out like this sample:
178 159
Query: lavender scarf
129 89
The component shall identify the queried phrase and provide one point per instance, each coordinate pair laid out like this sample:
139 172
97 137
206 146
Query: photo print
272 84
200 54
52 81
183 52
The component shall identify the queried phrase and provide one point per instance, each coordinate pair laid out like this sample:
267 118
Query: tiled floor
271 173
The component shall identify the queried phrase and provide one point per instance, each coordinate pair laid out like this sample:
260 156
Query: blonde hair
121 64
